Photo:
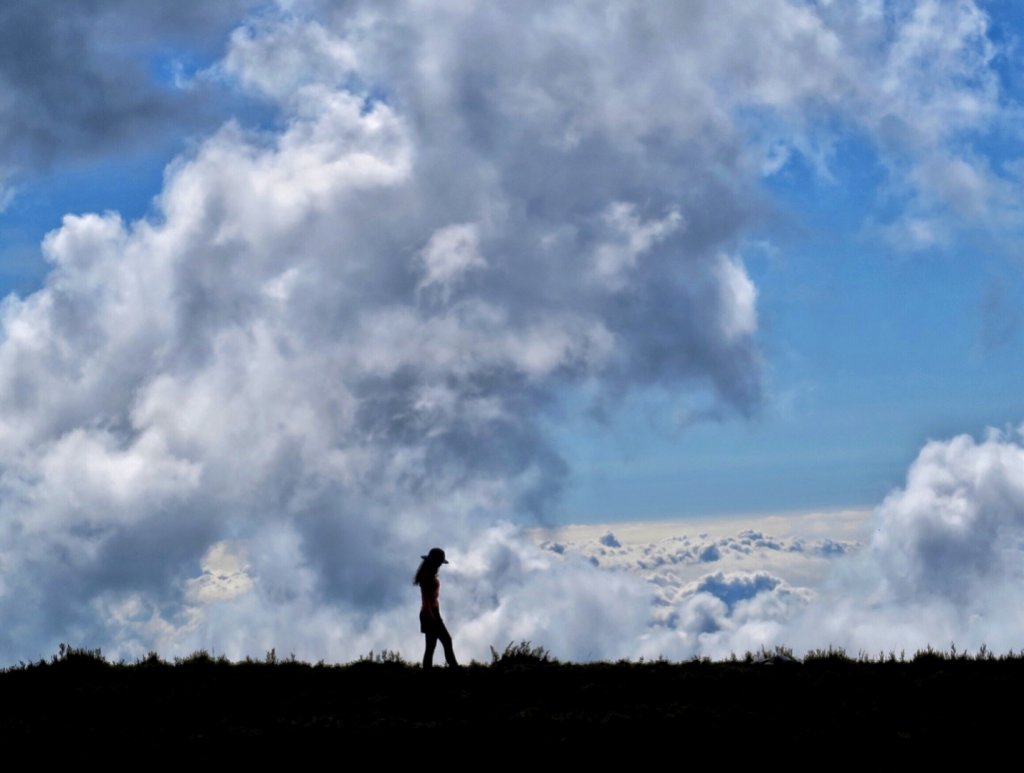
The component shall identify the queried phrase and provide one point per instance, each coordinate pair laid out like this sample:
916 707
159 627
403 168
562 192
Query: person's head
431 563
435 557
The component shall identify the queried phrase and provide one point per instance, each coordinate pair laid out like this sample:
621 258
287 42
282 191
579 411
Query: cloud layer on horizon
940 563
337 341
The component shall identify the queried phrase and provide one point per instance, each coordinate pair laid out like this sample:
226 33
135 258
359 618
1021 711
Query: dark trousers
434 630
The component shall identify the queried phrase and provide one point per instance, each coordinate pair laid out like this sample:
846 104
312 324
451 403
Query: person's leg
446 642
428 653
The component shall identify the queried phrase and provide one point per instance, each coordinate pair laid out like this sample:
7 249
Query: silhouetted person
431 623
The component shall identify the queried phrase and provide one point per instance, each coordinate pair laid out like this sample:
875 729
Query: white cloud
678 554
939 561
954 531
260 365
224 575
631 238
450 253
739 299
950 193
282 59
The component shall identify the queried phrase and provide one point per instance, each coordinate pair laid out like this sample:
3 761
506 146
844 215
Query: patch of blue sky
1006 20
869 352
126 184
176 67
373 95
694 475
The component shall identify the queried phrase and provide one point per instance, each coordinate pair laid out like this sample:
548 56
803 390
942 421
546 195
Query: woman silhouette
431 623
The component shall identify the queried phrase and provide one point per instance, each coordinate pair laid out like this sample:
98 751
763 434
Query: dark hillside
517 704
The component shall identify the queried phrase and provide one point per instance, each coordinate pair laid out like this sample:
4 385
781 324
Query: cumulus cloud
235 424
672 558
939 563
451 251
944 562
754 593
333 344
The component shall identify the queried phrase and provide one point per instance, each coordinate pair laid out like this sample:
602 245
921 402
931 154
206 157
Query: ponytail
422 574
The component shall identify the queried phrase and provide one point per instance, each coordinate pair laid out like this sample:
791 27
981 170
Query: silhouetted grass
203 701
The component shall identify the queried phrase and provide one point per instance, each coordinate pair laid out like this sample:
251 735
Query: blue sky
296 288
870 350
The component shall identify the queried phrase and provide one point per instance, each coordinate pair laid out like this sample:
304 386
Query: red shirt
430 590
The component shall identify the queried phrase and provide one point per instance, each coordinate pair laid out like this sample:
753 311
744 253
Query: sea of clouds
341 336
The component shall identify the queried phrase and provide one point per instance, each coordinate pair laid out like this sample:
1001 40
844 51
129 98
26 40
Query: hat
435 554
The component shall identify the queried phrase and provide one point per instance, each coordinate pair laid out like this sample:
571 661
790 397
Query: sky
685 327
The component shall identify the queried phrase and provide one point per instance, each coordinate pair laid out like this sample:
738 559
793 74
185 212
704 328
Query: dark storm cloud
81 79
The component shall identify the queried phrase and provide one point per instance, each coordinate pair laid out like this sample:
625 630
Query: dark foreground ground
518 707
